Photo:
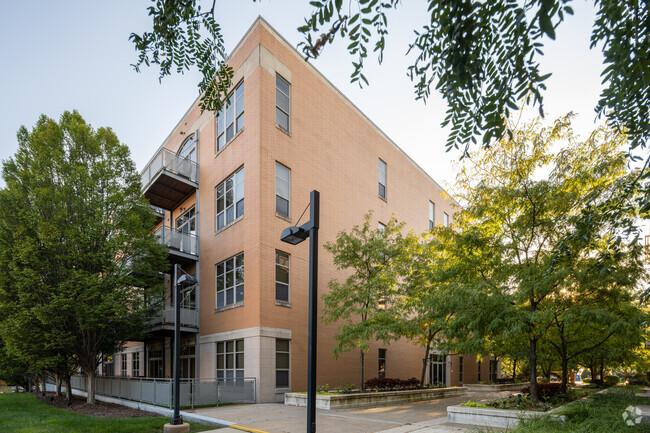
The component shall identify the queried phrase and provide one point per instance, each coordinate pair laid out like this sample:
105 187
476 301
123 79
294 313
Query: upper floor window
281 276
230 119
230 199
381 226
445 219
282 103
188 149
186 223
282 190
432 211
382 179
230 281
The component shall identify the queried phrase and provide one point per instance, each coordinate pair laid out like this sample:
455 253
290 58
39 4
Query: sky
76 54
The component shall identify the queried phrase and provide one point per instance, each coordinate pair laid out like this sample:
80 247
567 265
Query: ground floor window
479 371
493 370
230 359
282 363
123 359
156 366
438 370
135 364
109 366
188 360
460 369
382 363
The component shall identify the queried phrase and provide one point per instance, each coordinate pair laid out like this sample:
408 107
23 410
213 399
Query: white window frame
432 214
288 283
237 280
236 351
234 183
190 152
278 93
282 369
278 192
232 114
445 219
383 170
123 364
135 364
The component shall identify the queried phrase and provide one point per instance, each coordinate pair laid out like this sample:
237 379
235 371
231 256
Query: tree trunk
68 387
602 369
565 373
532 358
58 385
424 365
90 386
362 386
514 369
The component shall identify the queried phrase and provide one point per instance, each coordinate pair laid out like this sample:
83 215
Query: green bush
586 379
611 379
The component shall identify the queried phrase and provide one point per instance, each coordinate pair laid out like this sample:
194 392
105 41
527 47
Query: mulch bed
100 409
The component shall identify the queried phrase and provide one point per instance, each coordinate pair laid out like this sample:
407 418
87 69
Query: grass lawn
24 413
599 413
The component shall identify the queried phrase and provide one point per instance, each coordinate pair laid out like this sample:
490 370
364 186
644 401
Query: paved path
420 417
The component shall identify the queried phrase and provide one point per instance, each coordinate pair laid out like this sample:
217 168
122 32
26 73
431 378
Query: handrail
167 160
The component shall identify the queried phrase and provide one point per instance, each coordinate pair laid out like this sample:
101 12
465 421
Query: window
493 370
438 370
382 363
230 199
282 103
230 359
109 367
230 281
188 149
479 371
382 179
460 369
155 358
445 219
188 358
432 211
281 276
282 362
381 227
123 366
135 364
186 223
282 190
230 119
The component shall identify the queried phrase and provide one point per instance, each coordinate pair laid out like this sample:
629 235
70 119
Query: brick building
226 186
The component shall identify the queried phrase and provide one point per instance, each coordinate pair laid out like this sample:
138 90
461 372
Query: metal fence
177 240
170 161
193 392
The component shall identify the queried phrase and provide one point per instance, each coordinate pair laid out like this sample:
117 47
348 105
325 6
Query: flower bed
369 399
489 417
478 387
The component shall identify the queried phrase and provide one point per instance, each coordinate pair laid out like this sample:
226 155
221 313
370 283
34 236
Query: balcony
164 322
184 247
169 179
159 213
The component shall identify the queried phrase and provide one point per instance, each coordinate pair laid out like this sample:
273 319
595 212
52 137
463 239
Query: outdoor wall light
294 235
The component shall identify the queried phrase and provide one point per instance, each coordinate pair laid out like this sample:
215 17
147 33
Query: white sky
75 54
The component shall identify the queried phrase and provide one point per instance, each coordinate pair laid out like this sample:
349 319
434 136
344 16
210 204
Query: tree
361 303
77 258
513 213
483 57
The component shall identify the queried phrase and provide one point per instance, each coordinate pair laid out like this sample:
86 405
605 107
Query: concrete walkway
420 417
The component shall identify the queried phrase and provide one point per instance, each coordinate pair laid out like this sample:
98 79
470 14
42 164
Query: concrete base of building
178 428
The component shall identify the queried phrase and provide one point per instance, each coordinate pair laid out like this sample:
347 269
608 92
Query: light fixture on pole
293 236
176 423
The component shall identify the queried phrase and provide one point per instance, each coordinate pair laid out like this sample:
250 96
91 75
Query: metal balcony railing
176 240
189 317
169 161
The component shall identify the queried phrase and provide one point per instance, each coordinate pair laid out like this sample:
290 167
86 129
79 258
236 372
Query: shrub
638 379
611 379
586 379
391 383
545 390
323 388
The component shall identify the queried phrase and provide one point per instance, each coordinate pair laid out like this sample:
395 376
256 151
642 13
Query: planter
369 399
489 417
496 387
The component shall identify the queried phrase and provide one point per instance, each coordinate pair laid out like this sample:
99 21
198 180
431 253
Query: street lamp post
176 423
294 236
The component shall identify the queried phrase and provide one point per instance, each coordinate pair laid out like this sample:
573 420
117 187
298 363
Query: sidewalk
420 417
